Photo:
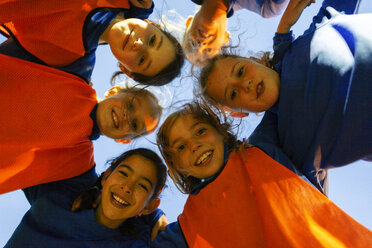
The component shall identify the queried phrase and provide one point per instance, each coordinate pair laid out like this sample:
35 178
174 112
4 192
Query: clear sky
350 186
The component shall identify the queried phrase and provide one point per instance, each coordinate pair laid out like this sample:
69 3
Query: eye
201 131
143 186
152 40
123 173
207 50
142 59
180 148
241 71
233 94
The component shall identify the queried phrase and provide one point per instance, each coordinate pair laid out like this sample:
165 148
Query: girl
57 121
243 197
109 213
323 78
206 32
45 31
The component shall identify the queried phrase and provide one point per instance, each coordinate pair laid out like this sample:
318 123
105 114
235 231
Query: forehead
184 125
140 165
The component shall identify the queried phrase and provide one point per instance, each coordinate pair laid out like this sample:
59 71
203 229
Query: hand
159 226
291 14
146 4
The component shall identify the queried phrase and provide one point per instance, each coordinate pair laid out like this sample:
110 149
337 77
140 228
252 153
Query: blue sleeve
75 184
172 237
136 12
281 44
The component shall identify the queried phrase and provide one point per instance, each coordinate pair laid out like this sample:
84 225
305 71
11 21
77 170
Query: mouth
204 158
118 201
260 89
115 119
127 39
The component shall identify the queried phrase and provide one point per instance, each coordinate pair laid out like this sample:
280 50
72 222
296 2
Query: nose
127 188
137 44
246 85
195 146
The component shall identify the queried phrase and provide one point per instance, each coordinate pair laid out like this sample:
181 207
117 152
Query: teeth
120 200
259 87
203 158
115 119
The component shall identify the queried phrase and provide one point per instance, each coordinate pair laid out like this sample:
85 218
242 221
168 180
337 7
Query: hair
87 198
171 71
204 113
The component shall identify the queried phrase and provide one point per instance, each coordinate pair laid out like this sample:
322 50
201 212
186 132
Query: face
127 116
197 148
127 191
140 47
243 84
203 39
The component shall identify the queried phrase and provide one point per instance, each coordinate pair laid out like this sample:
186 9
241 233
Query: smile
127 39
115 119
118 201
260 89
203 158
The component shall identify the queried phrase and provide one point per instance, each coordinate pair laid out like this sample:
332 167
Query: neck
104 221
104 37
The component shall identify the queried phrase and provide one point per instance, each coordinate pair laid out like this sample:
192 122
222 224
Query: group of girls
275 198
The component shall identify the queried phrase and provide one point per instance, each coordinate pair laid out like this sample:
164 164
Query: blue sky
350 186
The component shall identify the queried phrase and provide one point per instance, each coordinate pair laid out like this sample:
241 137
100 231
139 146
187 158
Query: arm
172 237
140 9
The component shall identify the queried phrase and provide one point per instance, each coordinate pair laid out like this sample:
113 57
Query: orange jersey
45 124
52 31
256 202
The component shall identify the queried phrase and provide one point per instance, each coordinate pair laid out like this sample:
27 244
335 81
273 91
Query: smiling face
243 84
197 147
127 116
203 39
127 191
140 47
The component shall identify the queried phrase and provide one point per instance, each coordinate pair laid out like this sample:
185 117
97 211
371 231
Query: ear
150 207
188 21
152 23
125 71
227 38
113 91
123 141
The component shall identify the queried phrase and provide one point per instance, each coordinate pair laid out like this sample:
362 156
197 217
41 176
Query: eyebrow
192 127
142 177
231 74
157 48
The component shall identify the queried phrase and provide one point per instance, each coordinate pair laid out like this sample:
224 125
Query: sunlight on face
243 84
197 147
140 47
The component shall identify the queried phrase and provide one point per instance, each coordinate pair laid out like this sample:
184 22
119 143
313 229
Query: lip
207 161
127 39
258 90
115 119
116 203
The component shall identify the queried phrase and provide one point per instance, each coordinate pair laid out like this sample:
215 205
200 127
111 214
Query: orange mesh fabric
45 124
256 202
51 30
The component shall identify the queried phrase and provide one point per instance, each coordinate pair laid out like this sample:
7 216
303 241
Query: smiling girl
47 128
66 36
242 196
319 90
110 211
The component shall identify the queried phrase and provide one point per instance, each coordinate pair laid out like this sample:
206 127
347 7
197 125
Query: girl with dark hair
243 196
111 211
318 93
66 37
